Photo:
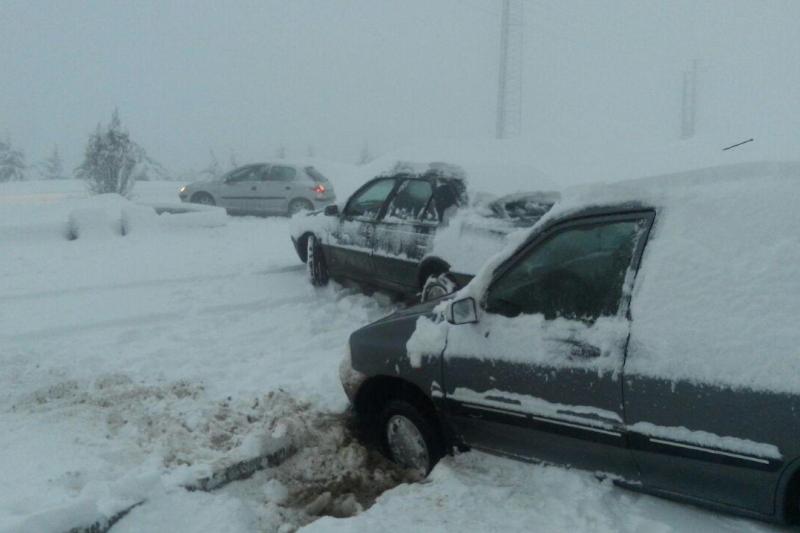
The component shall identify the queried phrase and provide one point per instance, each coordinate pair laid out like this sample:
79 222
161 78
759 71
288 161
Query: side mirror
462 311
331 210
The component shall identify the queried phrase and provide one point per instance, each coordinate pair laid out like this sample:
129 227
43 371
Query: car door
712 442
539 375
348 250
278 189
239 190
404 235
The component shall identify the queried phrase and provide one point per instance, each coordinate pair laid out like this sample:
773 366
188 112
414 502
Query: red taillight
319 188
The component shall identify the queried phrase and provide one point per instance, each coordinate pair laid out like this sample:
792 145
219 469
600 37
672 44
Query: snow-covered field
135 364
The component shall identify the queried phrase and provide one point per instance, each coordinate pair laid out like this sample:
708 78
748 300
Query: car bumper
184 196
351 379
322 203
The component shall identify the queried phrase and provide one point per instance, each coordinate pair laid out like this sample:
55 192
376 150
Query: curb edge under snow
235 472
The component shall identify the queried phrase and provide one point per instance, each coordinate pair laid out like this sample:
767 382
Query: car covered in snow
264 189
646 330
412 233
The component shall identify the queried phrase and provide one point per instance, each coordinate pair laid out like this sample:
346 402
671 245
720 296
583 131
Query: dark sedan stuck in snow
646 329
412 233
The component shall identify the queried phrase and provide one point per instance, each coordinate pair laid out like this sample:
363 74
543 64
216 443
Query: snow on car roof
716 297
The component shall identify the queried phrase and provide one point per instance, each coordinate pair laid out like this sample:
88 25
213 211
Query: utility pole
509 86
689 101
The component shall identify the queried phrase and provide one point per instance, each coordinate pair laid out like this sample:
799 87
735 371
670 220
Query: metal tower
509 86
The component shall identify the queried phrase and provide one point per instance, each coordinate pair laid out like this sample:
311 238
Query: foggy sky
248 77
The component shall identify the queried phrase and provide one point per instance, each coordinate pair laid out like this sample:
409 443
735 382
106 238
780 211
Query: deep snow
132 364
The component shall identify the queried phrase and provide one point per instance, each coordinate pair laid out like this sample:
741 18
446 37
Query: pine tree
52 168
12 163
365 156
110 160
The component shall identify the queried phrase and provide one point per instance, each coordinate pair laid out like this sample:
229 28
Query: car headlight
183 189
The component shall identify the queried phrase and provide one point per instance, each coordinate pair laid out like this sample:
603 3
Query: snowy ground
132 365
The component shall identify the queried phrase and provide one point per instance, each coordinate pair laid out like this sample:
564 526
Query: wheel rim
406 444
205 200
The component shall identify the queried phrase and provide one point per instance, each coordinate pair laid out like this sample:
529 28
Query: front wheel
315 262
203 198
410 438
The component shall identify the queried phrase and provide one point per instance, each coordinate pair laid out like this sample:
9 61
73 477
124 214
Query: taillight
319 188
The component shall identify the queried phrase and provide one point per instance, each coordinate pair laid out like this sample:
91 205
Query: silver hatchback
264 189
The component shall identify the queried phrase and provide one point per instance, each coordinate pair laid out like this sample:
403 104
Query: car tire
409 437
437 286
202 198
315 262
299 204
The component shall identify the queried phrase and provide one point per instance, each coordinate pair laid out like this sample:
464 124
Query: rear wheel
315 262
299 204
437 286
203 198
410 437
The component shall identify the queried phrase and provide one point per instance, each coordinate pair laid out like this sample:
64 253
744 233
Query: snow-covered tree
12 162
110 160
280 153
52 168
310 152
365 156
212 170
232 162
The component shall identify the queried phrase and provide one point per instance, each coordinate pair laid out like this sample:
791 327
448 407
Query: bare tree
365 156
212 170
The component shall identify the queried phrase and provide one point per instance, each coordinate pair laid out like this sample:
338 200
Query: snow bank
478 492
96 218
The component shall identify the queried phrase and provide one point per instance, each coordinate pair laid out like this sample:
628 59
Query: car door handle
288 188
253 188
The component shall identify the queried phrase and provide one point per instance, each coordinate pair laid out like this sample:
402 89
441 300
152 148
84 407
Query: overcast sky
248 77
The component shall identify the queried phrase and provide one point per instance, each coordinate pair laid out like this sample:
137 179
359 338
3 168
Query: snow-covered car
264 189
646 329
411 233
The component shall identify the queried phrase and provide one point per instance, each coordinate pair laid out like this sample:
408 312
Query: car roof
662 190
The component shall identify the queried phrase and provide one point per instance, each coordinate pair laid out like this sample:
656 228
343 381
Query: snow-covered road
133 364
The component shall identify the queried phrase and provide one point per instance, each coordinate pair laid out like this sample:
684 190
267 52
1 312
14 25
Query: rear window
315 175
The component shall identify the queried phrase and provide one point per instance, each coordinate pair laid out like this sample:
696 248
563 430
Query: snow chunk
428 339
707 440
537 406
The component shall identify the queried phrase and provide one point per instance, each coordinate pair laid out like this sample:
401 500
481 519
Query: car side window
411 199
250 173
368 202
578 273
282 173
